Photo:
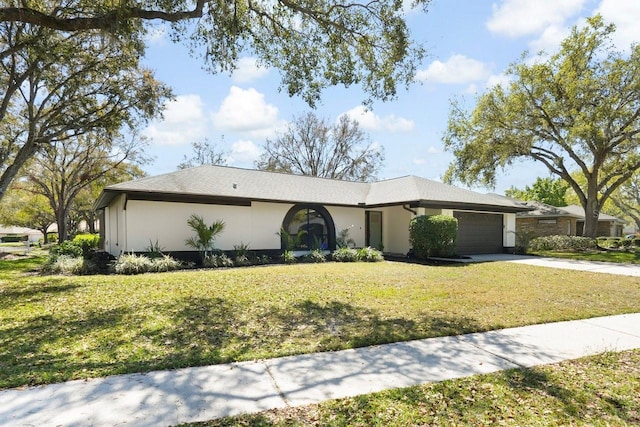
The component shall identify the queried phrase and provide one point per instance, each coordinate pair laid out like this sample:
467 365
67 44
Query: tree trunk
591 214
61 218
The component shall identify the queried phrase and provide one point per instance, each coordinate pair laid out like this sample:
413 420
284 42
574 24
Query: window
307 228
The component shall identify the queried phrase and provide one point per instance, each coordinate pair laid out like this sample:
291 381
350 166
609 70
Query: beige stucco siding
167 222
115 226
395 229
351 218
509 237
266 220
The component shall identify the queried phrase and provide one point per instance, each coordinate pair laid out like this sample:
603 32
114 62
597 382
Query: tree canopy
63 86
62 170
627 199
314 43
313 146
577 110
204 153
546 190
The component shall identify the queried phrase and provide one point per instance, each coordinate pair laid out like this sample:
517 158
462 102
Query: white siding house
257 205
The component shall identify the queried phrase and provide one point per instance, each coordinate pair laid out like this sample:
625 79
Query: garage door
479 233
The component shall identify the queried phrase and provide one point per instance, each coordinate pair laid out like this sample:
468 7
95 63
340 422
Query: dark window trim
331 228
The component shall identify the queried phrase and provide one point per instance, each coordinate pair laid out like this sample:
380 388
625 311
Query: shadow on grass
11 296
76 342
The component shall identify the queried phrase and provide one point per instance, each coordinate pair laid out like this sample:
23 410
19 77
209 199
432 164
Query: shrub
154 250
343 240
217 261
241 250
133 264
433 235
288 257
626 243
165 263
262 260
67 248
315 256
369 254
345 255
87 242
241 260
562 243
67 264
205 234
523 240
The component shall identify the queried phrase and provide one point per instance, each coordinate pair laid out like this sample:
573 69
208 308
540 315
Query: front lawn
632 257
602 390
56 328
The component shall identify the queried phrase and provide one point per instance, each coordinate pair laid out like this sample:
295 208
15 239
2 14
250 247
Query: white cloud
419 161
245 110
457 70
244 152
550 39
433 150
372 122
248 71
515 18
498 79
626 15
184 122
156 34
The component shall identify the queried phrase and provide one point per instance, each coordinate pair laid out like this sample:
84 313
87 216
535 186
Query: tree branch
106 21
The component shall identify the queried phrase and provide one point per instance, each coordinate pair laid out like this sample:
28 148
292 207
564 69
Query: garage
479 233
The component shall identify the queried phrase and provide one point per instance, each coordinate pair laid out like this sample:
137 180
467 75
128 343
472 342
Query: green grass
606 256
602 390
57 328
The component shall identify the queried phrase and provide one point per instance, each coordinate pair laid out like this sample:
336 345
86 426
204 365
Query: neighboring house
546 220
257 205
13 233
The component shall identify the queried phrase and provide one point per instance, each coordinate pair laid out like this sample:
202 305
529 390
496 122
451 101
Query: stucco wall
509 233
351 218
142 222
166 222
395 229
115 226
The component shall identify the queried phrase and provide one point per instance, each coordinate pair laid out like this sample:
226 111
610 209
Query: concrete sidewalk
566 264
196 394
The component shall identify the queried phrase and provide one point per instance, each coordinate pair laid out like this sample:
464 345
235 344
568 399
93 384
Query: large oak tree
63 170
314 43
578 110
313 146
61 86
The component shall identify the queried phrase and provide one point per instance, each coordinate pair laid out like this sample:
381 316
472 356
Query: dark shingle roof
236 183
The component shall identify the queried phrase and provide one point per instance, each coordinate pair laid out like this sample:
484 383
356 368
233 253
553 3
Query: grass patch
605 256
599 390
57 328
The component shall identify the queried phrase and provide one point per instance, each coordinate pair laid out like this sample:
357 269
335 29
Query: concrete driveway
567 264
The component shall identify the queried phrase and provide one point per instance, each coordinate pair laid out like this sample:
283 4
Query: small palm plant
205 234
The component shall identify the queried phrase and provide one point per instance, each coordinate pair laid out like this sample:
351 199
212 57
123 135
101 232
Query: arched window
308 227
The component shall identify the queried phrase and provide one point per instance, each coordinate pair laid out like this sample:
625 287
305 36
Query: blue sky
470 43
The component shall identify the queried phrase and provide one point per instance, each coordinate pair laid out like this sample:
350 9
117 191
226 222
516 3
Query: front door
374 229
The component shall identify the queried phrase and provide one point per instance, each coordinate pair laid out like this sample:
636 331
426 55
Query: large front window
306 228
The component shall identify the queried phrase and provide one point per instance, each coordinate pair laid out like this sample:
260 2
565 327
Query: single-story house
546 220
13 233
257 205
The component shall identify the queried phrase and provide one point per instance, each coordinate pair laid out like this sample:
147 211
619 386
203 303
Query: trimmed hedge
433 235
562 243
